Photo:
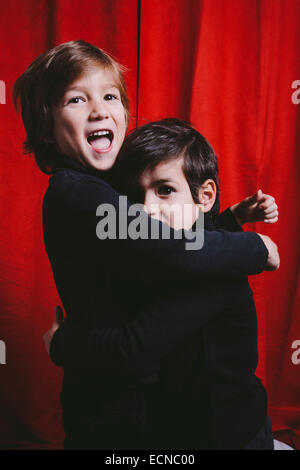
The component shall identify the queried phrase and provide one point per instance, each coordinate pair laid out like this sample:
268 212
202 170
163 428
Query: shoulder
69 179
72 189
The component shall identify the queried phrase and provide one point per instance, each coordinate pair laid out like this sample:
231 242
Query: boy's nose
98 111
151 206
153 211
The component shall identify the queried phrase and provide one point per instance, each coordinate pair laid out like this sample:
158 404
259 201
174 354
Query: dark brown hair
163 140
43 84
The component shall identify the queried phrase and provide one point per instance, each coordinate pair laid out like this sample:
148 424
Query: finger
251 199
59 314
271 221
271 209
267 202
261 196
267 197
271 215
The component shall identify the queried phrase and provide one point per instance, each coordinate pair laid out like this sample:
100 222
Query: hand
273 261
256 208
58 320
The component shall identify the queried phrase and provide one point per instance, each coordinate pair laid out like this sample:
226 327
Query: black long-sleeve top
208 396
119 324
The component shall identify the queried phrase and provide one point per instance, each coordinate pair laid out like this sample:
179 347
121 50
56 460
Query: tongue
102 143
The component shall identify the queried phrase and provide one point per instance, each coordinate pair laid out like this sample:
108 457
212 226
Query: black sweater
208 396
116 332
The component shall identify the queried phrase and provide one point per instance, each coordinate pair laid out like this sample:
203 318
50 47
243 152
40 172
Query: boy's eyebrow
83 88
74 88
111 85
161 181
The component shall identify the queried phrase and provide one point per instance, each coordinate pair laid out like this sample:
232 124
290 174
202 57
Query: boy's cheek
177 218
187 217
172 217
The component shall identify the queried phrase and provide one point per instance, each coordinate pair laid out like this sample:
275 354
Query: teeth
99 133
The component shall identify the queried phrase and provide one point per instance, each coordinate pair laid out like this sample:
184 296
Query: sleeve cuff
227 221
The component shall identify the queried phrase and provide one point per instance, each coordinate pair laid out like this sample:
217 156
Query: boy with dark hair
165 141
207 396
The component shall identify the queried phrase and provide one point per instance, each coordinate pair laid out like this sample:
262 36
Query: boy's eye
75 99
110 97
165 190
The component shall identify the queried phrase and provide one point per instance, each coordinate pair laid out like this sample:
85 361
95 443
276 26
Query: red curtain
225 65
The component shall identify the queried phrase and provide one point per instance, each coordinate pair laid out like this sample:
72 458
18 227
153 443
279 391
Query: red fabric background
225 65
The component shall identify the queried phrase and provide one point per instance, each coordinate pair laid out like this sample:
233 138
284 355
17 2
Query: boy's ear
207 195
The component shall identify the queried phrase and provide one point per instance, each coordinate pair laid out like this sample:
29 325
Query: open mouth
101 140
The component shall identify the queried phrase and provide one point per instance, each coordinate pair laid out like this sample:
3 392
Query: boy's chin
102 162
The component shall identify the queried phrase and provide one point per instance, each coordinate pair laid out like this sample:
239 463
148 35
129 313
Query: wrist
238 213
